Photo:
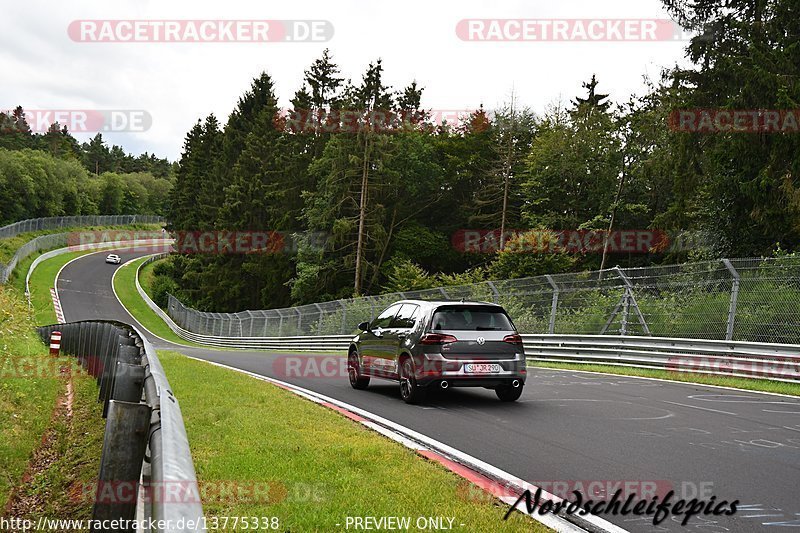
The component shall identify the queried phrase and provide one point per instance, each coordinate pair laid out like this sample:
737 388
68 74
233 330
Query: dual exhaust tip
445 385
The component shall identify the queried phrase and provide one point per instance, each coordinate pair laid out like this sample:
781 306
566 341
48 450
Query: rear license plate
482 368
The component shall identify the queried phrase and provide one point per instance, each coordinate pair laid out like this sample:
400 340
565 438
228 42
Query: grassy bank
146 277
42 279
761 385
125 287
50 441
320 467
9 246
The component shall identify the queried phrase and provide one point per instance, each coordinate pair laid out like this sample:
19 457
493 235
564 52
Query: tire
357 381
507 393
410 391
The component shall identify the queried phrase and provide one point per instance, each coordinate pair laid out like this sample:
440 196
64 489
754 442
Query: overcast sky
177 83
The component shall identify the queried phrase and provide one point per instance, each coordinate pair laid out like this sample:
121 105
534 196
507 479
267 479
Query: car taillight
437 338
513 339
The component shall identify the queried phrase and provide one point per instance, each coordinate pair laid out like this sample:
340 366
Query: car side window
385 318
406 316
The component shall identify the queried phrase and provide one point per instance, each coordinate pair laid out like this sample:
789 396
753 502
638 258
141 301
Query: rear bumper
434 371
488 382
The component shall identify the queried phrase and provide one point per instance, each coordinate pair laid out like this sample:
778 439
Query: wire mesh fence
58 240
38 224
738 299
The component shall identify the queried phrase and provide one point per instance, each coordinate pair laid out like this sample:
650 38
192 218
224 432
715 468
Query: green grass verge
64 467
41 471
42 280
146 277
9 246
25 404
125 287
761 385
320 467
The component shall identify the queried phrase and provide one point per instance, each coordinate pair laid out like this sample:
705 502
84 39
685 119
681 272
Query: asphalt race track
571 427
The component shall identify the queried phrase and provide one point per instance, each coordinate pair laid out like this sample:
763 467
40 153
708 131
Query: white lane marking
553 521
701 408
58 274
665 381
669 414
721 398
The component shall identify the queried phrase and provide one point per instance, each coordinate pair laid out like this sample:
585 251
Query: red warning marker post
55 343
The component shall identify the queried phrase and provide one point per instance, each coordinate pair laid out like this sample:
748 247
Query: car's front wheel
357 381
410 391
507 393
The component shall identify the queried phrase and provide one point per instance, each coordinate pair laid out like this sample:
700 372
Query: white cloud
177 83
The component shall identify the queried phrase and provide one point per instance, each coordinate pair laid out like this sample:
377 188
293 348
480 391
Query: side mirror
364 326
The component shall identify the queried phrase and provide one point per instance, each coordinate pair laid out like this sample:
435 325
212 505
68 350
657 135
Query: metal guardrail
778 362
298 343
38 224
165 242
56 240
145 448
750 299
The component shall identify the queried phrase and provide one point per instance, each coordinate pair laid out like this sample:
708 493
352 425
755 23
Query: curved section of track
573 428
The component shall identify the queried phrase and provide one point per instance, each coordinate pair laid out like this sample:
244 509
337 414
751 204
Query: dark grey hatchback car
440 344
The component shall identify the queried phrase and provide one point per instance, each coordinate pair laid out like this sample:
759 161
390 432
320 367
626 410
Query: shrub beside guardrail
751 299
145 438
778 362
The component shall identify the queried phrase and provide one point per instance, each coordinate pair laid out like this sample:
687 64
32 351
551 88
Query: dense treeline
51 174
389 199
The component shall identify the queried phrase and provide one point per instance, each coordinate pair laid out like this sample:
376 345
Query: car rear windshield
471 318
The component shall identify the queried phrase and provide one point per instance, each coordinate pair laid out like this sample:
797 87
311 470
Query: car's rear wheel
357 381
410 391
507 393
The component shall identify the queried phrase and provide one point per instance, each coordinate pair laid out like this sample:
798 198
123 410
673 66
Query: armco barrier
93 246
745 299
300 343
145 448
39 224
778 362
56 240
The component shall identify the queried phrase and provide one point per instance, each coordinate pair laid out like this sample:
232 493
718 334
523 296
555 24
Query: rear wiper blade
481 328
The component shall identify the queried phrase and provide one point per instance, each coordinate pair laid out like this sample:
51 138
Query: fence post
344 317
734 298
495 294
551 328
319 321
